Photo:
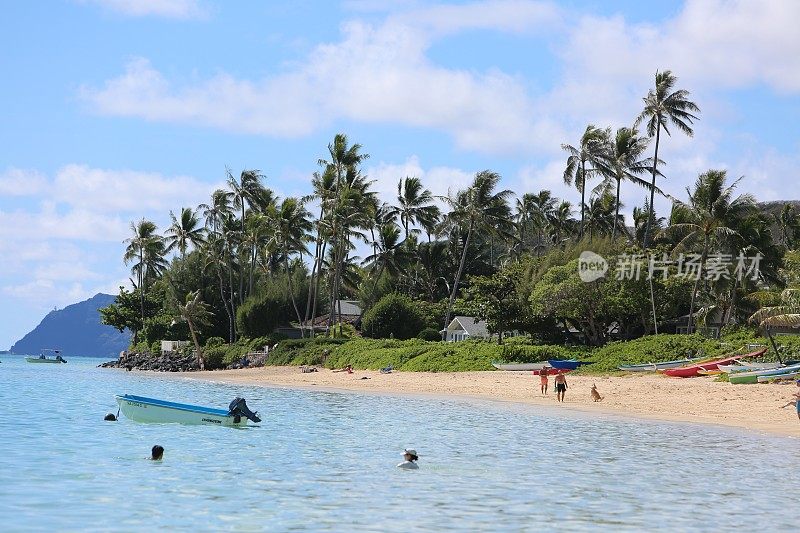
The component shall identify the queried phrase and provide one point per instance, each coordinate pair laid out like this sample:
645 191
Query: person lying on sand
410 462
348 369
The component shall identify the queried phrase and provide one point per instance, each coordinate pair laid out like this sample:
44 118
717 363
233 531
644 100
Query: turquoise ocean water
326 461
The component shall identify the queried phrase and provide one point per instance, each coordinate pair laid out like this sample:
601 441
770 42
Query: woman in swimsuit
543 379
561 386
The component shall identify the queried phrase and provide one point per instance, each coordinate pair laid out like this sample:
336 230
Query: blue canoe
566 364
142 409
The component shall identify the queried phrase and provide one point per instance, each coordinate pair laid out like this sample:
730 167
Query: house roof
349 307
351 314
473 326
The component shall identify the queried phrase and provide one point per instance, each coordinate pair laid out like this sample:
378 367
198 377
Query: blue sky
115 110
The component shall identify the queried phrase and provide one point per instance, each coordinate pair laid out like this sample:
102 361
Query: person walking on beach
561 386
543 379
410 462
796 401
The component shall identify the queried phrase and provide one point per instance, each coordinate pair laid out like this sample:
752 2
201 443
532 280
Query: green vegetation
248 262
394 316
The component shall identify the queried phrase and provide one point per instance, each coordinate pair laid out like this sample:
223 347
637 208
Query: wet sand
698 400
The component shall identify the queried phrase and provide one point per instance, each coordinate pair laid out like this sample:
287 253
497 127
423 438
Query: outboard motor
238 408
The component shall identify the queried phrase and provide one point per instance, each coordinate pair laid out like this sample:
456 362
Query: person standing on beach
561 386
543 379
796 401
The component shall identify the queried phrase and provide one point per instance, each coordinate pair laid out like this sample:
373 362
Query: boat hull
779 377
565 364
520 367
694 370
653 367
39 360
152 411
746 378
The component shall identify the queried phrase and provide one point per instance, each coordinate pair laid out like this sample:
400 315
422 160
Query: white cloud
375 73
175 9
127 191
21 182
439 180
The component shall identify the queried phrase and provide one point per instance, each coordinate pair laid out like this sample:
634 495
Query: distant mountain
76 330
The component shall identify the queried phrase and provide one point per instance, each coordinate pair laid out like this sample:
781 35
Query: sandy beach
699 400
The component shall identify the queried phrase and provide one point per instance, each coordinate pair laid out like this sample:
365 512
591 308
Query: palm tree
542 207
621 161
785 315
477 209
662 105
292 226
389 254
146 248
788 222
589 151
709 219
414 204
561 221
248 191
349 199
196 314
184 232
600 214
644 217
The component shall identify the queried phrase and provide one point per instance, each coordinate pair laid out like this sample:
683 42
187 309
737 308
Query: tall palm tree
644 217
542 208
146 250
350 198
247 191
622 161
323 185
196 314
389 255
184 232
292 228
589 151
709 220
664 106
414 204
561 221
477 209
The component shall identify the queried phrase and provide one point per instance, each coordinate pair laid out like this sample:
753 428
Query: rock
175 362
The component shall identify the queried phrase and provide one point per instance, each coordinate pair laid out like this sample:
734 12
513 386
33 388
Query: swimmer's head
157 453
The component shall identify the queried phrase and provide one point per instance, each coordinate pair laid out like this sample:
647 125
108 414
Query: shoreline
698 400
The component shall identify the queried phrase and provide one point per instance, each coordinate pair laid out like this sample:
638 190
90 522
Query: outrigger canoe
653 367
566 364
151 410
741 378
520 367
694 370
748 367
780 377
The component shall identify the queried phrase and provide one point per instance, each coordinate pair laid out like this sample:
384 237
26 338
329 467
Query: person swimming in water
410 462
157 453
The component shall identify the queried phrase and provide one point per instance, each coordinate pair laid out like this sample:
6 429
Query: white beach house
466 327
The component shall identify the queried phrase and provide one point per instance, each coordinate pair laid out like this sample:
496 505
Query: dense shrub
258 316
302 351
394 316
215 341
429 334
522 353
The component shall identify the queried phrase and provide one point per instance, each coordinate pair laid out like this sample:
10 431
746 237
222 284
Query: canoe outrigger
44 359
142 409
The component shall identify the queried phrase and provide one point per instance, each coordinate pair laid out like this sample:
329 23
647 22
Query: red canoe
693 370
551 372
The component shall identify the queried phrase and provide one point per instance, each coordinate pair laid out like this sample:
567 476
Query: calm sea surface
326 461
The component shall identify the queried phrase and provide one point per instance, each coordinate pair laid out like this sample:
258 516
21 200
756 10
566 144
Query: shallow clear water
326 461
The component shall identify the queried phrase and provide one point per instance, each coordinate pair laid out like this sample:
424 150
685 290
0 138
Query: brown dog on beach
595 395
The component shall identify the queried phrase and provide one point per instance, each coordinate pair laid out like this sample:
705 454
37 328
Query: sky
114 110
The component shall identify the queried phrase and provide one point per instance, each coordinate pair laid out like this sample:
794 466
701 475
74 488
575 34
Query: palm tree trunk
456 281
291 290
200 361
141 282
652 213
697 283
583 196
616 212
